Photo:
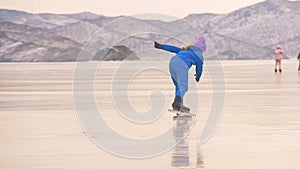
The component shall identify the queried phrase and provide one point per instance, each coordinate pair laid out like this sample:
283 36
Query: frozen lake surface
40 127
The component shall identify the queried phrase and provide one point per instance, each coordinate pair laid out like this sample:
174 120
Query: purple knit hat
200 43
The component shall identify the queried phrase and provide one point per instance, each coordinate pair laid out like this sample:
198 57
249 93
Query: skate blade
181 114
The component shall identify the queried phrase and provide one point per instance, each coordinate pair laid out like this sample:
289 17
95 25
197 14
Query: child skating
179 66
278 56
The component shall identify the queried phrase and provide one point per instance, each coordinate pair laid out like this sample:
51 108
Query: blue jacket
192 56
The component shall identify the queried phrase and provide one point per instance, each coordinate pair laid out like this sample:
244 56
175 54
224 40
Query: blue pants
179 73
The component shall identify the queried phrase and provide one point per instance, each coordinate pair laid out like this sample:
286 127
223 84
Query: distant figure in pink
278 56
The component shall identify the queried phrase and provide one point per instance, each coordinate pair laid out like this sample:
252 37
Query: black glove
197 79
158 45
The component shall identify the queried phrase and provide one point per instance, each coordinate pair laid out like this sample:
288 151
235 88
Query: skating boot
178 105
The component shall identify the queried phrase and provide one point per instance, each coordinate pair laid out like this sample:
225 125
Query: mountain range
248 33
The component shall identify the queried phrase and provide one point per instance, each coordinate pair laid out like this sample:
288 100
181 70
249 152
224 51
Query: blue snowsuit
181 63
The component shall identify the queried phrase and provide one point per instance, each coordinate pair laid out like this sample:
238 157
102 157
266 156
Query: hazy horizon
117 7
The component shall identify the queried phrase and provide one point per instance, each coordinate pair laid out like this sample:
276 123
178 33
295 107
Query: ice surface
260 126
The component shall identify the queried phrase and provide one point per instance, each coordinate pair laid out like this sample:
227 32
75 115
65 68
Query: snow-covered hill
247 33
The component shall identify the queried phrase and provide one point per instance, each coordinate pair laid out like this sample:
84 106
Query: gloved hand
158 45
197 79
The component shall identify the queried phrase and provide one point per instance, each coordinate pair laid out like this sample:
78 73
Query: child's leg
177 89
179 73
182 80
279 65
182 76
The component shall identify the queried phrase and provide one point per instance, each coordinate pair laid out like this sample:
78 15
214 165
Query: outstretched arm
169 48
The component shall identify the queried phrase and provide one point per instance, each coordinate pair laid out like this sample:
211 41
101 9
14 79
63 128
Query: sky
176 8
